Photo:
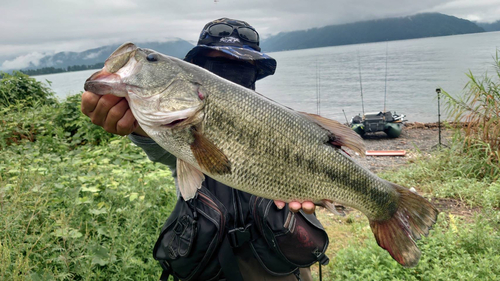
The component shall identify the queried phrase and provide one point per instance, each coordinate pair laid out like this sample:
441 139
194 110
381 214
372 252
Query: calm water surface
415 68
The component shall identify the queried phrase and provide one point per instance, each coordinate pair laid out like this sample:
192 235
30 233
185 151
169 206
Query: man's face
239 71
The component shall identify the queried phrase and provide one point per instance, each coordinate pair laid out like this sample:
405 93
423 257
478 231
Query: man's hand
110 112
308 207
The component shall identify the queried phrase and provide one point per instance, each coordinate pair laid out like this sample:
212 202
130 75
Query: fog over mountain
495 26
174 47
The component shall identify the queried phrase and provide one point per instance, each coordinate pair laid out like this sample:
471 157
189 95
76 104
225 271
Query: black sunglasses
224 30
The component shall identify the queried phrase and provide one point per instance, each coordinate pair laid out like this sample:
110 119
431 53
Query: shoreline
416 138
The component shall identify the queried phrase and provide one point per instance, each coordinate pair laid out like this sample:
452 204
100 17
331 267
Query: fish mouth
109 80
103 82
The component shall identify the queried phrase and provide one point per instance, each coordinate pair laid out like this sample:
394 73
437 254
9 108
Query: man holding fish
230 49
223 134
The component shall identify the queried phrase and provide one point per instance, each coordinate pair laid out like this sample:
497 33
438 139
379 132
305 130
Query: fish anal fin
412 220
189 179
209 157
342 135
332 207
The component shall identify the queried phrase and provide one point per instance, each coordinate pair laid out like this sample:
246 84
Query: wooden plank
385 152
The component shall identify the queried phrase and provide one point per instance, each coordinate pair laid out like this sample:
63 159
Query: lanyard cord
320 274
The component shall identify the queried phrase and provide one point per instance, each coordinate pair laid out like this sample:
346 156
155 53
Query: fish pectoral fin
209 156
189 178
412 220
342 135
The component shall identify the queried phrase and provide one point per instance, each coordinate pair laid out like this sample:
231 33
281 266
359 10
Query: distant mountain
176 48
490 26
417 26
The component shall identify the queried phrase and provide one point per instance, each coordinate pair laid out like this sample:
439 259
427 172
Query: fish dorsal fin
189 178
342 135
209 157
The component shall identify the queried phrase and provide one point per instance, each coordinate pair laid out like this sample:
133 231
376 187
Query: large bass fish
246 141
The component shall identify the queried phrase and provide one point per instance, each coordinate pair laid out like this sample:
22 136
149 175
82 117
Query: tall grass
479 110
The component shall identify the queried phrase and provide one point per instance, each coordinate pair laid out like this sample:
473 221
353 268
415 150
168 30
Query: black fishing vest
201 236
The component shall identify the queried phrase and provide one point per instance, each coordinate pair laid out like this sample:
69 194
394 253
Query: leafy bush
59 126
479 109
78 126
92 213
17 87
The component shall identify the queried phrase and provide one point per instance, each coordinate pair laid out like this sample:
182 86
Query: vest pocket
189 240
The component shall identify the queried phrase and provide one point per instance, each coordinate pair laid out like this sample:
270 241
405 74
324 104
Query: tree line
50 70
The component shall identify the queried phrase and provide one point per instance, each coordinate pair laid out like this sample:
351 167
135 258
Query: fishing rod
318 90
347 122
361 85
385 91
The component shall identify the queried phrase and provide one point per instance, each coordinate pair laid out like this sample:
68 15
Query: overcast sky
30 29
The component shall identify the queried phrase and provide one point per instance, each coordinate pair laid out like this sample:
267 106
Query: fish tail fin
413 219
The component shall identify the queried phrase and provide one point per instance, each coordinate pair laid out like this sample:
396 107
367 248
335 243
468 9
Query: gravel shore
415 138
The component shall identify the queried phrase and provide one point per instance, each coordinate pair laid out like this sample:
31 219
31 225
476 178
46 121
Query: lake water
415 68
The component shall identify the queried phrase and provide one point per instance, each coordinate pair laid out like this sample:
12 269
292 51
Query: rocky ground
415 138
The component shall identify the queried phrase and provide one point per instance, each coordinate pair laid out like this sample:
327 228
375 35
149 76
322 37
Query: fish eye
152 57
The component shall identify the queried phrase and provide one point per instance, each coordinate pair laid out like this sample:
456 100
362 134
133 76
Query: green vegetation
80 204
18 87
479 110
77 203
463 245
58 126
91 213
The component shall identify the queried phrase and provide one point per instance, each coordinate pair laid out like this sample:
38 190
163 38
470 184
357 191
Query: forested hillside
417 26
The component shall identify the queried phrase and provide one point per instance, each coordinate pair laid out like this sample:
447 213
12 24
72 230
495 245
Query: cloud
74 25
31 59
92 55
478 10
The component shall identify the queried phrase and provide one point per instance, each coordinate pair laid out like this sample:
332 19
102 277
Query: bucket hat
237 39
